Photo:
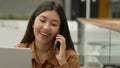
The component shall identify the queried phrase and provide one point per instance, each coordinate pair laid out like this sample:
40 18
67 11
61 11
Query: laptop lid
15 58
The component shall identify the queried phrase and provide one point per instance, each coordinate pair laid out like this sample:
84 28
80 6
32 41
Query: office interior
94 26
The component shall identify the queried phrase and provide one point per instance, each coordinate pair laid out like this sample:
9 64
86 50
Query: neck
42 47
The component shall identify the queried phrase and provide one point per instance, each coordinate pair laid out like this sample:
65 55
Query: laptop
15 58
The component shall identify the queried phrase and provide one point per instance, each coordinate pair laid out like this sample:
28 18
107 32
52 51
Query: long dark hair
64 30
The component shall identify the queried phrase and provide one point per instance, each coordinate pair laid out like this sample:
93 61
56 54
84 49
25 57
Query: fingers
60 53
62 40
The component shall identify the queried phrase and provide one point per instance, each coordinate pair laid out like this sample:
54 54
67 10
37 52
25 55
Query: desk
113 24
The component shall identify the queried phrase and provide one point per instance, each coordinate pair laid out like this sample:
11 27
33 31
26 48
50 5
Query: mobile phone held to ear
56 44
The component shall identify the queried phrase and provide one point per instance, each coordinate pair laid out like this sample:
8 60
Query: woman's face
46 26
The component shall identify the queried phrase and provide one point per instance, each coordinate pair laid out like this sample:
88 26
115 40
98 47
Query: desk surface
113 24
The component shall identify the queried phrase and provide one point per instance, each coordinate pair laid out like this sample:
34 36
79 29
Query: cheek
36 28
54 35
55 31
36 25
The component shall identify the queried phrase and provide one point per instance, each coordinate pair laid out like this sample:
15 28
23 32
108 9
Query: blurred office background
96 46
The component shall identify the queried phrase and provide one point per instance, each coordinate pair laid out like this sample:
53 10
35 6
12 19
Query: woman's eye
42 20
54 23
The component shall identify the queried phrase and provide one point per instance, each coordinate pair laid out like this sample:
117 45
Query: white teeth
46 34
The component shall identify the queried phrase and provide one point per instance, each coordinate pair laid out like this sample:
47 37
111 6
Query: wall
19 8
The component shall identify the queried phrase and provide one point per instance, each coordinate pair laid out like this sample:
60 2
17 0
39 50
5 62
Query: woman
49 38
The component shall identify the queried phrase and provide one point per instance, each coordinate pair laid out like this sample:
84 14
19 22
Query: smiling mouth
45 34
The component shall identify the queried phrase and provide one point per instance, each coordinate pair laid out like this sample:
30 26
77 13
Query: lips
45 34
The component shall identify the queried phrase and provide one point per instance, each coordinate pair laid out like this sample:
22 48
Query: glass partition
100 46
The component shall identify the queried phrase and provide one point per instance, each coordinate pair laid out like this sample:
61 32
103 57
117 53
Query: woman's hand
60 53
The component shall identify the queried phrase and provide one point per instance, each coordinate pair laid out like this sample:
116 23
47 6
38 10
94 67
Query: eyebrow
55 20
42 16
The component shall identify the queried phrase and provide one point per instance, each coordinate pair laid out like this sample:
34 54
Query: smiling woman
47 26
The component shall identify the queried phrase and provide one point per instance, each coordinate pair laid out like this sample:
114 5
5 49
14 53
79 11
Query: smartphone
56 44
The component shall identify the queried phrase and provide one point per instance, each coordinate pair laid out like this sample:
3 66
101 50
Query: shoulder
71 53
20 45
72 57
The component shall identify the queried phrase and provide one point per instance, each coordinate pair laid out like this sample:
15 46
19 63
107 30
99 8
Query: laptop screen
15 58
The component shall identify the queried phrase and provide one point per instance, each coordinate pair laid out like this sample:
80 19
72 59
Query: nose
46 26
